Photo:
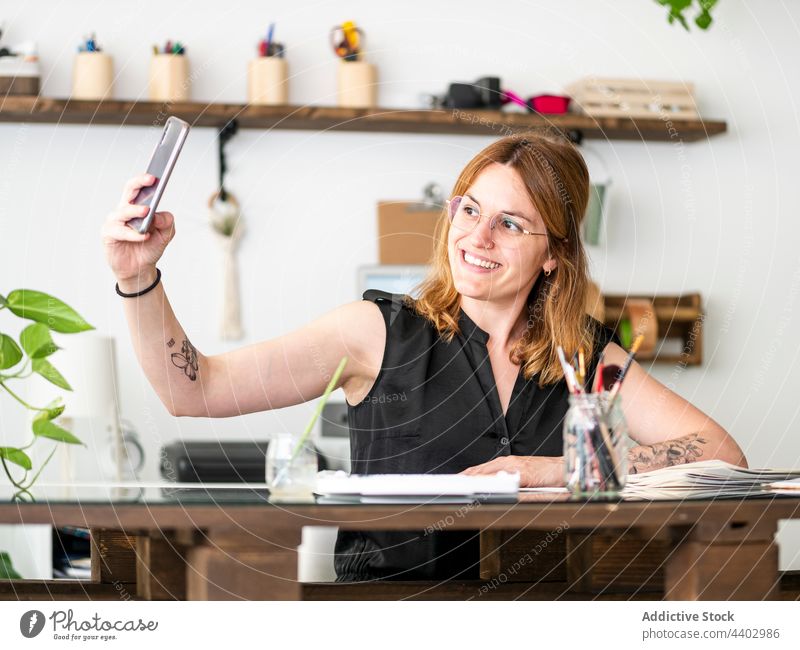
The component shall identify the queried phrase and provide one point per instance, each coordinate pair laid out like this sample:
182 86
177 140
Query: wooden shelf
679 317
321 118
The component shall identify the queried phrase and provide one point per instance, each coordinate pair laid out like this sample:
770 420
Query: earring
547 272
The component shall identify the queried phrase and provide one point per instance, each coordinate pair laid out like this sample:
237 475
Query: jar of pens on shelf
596 437
268 74
92 72
357 80
169 74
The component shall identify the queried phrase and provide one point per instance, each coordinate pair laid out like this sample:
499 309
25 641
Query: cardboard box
406 232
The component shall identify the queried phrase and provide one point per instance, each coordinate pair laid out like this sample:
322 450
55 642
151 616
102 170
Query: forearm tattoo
186 359
666 454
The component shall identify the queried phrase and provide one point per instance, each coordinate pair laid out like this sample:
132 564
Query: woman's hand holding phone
132 256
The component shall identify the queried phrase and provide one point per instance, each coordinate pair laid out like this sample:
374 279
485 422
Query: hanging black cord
225 134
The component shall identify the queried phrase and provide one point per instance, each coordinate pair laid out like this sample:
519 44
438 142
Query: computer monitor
394 278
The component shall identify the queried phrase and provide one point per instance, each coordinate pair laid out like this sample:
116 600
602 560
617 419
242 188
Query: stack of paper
711 479
790 487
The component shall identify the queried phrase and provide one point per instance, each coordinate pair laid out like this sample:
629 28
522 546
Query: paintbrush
624 370
608 377
569 372
320 405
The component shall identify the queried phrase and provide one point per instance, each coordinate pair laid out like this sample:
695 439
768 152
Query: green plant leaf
16 456
2 300
703 21
54 408
44 428
46 309
7 571
36 341
10 354
677 9
46 370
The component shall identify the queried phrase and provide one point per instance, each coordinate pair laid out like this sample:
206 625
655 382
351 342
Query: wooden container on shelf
268 81
679 319
635 98
357 84
169 78
92 76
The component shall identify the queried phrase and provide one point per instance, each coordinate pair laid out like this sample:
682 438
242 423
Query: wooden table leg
244 565
731 560
160 567
113 560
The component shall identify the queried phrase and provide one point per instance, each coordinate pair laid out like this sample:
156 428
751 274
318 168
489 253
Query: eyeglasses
464 214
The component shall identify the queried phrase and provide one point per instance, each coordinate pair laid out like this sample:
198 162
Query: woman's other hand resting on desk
534 471
668 429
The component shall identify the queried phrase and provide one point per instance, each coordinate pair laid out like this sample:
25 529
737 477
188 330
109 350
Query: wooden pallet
634 98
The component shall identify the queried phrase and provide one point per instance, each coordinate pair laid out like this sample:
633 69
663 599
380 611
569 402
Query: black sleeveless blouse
434 408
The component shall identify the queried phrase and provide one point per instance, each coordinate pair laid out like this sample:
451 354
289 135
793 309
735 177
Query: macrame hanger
228 228
225 134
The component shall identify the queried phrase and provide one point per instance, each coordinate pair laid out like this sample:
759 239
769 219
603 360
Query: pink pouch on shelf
550 104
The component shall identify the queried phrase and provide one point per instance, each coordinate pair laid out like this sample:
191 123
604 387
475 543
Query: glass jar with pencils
596 443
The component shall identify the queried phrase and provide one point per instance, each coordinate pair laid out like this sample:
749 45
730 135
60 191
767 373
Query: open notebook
711 479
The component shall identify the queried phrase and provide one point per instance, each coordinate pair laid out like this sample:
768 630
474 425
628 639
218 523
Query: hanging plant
679 8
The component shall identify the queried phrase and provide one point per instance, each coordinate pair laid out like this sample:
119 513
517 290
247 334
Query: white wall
719 216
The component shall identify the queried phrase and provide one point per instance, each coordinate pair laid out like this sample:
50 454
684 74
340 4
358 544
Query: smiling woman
537 189
474 357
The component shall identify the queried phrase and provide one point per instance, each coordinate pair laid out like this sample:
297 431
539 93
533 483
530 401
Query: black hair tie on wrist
143 291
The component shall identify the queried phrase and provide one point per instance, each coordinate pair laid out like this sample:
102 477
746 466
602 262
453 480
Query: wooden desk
156 549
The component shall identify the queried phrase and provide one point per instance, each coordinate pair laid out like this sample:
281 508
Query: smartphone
161 163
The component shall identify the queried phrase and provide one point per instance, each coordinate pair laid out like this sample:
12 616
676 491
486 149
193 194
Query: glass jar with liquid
291 466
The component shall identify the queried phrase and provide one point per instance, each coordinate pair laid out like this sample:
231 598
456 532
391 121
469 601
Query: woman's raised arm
292 368
279 372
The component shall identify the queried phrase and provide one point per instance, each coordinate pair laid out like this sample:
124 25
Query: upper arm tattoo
665 454
186 359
